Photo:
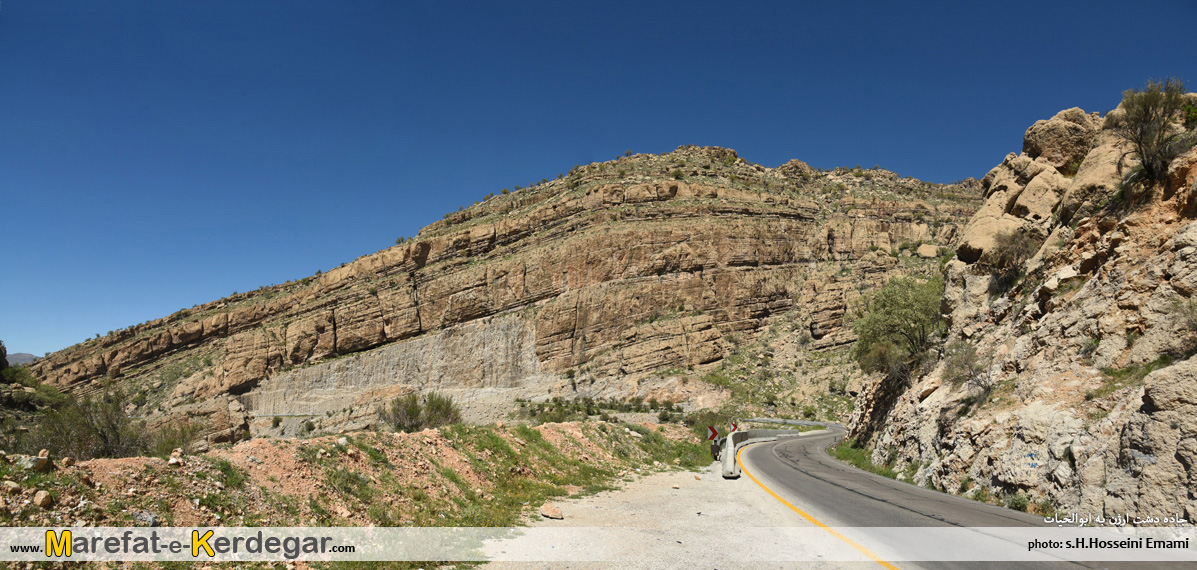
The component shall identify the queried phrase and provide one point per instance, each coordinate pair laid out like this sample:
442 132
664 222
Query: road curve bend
799 471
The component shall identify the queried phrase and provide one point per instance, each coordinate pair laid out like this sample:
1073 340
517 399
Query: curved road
801 472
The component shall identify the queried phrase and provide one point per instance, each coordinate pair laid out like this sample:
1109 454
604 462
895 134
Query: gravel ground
650 524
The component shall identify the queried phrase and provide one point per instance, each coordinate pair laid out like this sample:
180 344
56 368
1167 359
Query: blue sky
156 155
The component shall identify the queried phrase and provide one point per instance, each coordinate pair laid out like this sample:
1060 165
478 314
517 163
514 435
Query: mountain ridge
615 271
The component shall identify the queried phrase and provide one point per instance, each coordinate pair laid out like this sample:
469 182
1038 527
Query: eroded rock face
1069 167
1066 411
1098 177
1182 179
616 272
1064 139
1155 465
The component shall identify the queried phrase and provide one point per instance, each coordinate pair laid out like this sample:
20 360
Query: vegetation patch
412 412
896 325
1115 379
860 456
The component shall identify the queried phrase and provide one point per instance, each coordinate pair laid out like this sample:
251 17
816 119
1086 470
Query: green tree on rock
897 324
1150 121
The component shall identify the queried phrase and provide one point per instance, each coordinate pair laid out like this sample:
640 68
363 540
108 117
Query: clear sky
159 154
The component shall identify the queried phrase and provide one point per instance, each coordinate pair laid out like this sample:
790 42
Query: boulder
43 499
551 512
1041 196
928 251
796 169
1182 173
1186 237
979 235
11 487
30 463
1172 388
1063 140
146 518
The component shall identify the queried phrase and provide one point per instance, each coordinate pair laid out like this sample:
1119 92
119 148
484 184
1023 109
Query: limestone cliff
593 284
1089 400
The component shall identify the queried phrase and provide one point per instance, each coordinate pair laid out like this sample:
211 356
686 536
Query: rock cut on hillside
620 279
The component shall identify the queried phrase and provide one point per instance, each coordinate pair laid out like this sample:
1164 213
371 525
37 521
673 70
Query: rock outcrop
1064 140
612 273
1090 389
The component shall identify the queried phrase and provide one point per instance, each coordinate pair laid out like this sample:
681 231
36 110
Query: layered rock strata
585 285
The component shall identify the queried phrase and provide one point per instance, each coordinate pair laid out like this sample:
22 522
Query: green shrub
1007 258
410 413
1012 249
699 420
1146 123
87 428
275 421
1185 312
882 356
1047 507
172 436
1017 501
351 483
43 395
1089 347
858 455
962 365
230 475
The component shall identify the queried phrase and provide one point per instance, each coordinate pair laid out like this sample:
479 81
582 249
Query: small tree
898 323
1012 249
1147 122
962 365
1006 258
89 427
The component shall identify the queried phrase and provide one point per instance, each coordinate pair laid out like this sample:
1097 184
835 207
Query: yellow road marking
813 520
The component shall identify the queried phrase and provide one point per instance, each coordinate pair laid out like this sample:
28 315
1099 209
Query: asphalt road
801 472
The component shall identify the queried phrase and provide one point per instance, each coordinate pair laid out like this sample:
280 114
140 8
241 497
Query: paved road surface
801 472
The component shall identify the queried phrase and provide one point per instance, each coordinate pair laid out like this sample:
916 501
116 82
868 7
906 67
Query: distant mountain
20 358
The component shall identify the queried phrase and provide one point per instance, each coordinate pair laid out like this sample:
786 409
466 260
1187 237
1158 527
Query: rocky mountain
20 358
1086 399
633 278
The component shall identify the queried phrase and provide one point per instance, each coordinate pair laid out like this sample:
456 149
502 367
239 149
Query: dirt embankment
458 475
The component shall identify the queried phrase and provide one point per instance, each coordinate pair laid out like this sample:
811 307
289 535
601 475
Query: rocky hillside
621 279
1086 397
455 476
